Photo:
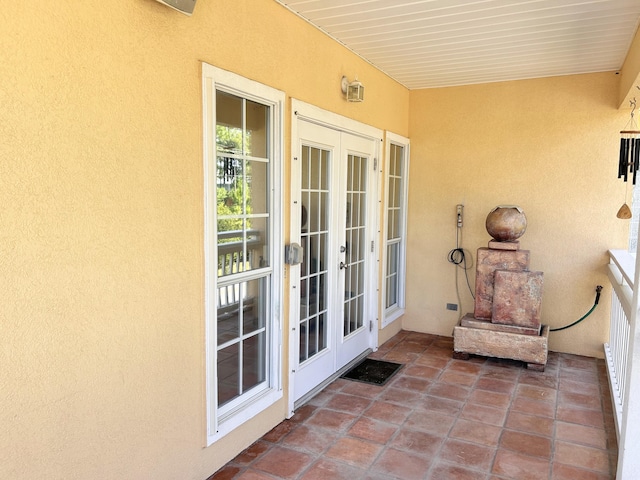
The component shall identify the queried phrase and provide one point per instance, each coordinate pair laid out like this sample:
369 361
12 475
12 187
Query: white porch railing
621 274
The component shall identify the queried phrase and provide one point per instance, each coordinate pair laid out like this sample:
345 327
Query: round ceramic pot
506 223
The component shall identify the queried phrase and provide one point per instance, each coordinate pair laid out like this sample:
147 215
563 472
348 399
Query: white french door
335 300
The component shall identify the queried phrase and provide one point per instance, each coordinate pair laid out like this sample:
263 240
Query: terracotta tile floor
441 418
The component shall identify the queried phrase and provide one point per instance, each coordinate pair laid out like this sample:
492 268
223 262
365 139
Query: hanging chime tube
629 159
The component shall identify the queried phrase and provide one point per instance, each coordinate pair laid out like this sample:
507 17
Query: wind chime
629 162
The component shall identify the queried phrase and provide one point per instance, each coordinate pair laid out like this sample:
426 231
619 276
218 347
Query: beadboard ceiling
437 43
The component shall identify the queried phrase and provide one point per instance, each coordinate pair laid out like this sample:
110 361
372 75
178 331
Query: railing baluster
616 351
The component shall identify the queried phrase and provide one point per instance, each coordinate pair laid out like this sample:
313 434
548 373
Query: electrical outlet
459 208
452 306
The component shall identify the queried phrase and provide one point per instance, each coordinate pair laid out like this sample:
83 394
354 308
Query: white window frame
396 311
214 79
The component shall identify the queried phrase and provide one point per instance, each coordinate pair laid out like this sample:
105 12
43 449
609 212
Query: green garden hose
595 304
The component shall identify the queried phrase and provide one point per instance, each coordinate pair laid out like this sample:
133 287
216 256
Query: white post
628 458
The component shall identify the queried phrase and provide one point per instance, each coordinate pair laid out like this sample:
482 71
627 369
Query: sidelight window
242 224
397 156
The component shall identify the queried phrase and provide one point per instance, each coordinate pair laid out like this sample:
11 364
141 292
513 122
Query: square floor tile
401 464
356 452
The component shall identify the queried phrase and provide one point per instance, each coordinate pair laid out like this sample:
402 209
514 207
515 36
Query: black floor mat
377 372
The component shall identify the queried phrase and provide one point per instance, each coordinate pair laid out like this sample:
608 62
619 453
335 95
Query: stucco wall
101 222
549 145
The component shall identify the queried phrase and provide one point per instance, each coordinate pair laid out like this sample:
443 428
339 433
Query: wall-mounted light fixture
183 6
353 90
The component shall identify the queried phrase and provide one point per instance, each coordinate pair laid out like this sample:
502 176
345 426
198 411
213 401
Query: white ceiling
436 43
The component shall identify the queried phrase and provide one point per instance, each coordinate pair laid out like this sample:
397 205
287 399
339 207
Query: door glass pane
355 234
313 273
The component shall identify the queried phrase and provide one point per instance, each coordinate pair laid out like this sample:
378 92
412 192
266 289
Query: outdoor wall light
353 90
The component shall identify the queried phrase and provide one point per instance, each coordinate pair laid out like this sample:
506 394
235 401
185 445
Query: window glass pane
392 197
392 291
253 305
228 313
392 258
228 373
395 160
397 192
229 123
257 187
231 256
229 186
257 243
391 222
254 361
256 139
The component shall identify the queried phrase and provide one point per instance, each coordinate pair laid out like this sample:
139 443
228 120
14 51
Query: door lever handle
343 266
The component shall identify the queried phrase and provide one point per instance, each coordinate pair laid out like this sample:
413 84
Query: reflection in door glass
355 235
315 196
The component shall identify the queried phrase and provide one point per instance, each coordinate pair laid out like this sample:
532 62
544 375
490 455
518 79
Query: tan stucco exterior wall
101 224
101 217
548 145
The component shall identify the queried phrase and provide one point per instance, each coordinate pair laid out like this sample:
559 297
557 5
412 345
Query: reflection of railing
233 258
621 272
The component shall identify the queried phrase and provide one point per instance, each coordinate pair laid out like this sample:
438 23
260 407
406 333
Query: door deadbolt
343 266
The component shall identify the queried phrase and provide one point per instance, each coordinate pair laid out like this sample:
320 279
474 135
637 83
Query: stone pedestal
492 341
488 261
517 298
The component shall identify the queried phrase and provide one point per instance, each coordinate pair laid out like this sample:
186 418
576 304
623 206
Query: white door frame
310 113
